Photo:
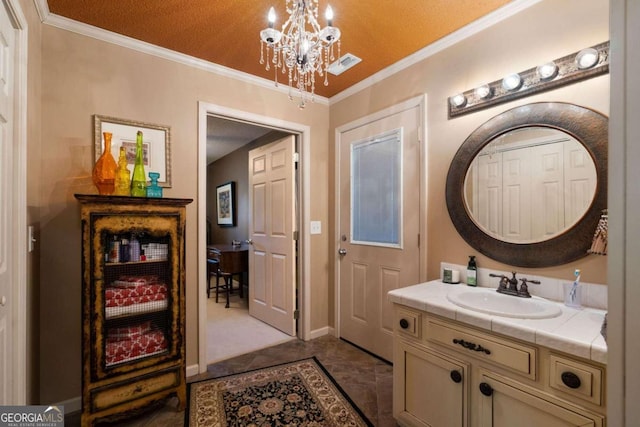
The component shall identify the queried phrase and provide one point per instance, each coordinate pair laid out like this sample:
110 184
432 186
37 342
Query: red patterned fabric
123 350
134 281
128 332
114 292
123 302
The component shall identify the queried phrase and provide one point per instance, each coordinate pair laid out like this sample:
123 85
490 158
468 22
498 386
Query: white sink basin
487 300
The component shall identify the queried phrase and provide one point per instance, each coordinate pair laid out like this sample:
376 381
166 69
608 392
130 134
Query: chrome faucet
509 286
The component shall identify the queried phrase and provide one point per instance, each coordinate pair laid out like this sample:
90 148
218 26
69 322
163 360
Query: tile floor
366 379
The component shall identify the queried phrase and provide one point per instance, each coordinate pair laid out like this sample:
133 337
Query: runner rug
299 393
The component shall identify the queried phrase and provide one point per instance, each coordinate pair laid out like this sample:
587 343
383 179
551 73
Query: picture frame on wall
156 144
226 204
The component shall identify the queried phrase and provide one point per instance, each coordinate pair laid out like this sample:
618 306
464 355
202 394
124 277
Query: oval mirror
527 187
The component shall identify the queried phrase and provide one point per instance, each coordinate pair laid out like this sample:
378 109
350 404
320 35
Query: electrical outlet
316 227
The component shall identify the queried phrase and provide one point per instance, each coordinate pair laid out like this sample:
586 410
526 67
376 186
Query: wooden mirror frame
588 127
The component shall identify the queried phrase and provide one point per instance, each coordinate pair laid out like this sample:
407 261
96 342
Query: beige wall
545 31
81 77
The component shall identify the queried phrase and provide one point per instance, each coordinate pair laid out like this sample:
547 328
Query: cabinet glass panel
137 296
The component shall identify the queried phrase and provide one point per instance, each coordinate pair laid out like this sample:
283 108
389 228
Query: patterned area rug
299 393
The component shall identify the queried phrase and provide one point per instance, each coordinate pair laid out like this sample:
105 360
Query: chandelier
301 49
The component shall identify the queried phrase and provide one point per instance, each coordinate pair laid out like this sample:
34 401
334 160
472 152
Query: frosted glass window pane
376 190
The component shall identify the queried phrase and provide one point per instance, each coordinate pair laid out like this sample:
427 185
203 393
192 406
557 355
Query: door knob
3 301
249 241
342 251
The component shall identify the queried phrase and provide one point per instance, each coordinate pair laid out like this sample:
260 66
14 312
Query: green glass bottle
139 178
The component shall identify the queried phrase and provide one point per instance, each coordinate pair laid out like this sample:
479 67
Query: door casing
303 133
421 103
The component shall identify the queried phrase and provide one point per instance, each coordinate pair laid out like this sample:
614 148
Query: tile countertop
575 332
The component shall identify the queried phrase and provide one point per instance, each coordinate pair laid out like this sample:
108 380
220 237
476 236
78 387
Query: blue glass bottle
154 190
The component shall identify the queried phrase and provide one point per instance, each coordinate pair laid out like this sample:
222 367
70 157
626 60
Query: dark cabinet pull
486 389
571 380
456 376
471 346
404 323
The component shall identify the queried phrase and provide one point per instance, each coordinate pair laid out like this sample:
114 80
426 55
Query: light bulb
512 82
587 58
458 100
329 15
547 71
483 91
271 16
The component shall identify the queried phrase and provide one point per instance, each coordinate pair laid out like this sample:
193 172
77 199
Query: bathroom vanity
455 366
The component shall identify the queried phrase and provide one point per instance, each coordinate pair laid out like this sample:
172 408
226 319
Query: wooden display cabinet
133 309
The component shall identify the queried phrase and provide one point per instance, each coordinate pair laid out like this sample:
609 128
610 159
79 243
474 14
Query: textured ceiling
381 32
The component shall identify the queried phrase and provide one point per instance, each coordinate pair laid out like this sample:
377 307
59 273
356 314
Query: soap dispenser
472 272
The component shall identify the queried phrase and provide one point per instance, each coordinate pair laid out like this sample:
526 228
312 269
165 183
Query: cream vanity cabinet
447 373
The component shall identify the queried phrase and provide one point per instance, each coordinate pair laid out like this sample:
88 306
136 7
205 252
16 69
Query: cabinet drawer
407 322
130 390
504 353
576 378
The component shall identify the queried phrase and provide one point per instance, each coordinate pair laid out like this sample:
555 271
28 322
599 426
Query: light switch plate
316 227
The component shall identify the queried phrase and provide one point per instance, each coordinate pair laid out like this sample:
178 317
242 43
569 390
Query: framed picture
226 206
156 144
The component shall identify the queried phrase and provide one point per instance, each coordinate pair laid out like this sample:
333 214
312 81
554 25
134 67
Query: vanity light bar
587 63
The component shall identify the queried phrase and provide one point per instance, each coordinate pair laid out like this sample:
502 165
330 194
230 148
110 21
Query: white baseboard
70 405
316 333
193 370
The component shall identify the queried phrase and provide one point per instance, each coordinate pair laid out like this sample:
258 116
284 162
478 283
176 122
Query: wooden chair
225 265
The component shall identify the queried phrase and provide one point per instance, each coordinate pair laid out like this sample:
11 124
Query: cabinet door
430 389
505 403
135 293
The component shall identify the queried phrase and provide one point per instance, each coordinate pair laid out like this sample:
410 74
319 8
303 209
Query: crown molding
61 22
438 46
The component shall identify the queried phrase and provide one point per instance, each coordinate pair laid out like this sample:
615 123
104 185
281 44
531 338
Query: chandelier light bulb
271 16
328 14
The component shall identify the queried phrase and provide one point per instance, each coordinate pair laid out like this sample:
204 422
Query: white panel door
547 188
272 256
7 234
489 193
379 221
516 195
580 181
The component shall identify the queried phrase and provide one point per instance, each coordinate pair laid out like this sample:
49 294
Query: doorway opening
263 129
233 328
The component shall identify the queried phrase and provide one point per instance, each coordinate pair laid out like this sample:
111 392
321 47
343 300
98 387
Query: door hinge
296 157
418 239
295 236
296 314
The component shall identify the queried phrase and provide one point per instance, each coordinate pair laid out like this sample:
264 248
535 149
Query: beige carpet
232 332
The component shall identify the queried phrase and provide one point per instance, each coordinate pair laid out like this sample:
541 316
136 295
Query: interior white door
379 203
272 255
7 233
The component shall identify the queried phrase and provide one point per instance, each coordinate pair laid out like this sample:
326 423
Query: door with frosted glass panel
379 225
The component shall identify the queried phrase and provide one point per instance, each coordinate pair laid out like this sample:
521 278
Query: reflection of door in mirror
530 185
